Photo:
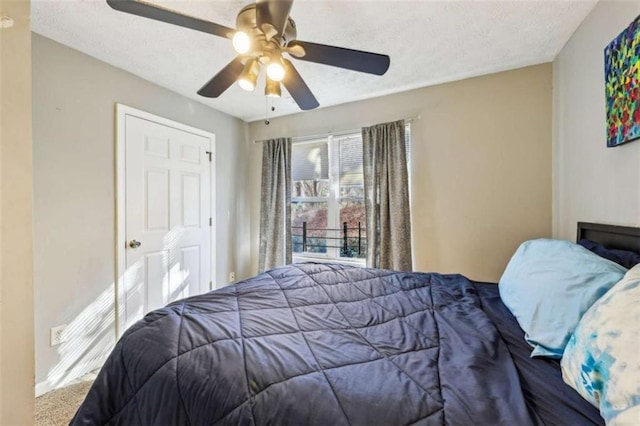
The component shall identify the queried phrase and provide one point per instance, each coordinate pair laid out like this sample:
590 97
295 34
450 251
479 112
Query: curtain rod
341 133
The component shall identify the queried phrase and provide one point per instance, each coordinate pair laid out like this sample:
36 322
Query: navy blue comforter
318 344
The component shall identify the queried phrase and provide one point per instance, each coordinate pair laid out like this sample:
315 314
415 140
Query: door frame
122 111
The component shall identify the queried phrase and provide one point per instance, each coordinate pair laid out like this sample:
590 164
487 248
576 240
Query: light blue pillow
548 285
601 360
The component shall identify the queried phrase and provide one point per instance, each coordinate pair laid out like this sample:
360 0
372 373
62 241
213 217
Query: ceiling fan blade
159 13
298 88
223 80
356 60
274 13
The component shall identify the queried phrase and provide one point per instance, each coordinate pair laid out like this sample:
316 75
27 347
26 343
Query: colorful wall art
622 84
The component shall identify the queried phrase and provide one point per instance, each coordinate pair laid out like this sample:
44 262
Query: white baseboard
44 387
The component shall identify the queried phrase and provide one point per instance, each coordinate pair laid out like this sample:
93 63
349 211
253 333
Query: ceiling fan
264 34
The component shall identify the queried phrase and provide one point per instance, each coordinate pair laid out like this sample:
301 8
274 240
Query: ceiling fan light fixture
241 42
275 70
249 76
263 33
272 89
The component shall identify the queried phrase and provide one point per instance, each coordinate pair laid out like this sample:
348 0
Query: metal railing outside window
351 241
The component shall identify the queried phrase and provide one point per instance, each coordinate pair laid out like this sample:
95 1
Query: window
327 201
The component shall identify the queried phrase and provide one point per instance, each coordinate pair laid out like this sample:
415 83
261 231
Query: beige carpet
56 408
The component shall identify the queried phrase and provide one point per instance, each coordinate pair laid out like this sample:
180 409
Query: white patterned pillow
602 359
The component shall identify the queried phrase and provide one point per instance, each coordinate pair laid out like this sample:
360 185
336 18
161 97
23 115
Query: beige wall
16 228
481 181
591 182
74 100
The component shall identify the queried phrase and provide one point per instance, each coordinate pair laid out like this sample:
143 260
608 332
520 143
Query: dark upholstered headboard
611 236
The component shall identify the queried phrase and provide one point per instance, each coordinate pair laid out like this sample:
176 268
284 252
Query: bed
332 344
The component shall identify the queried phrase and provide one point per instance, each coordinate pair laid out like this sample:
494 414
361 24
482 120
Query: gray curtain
275 205
386 190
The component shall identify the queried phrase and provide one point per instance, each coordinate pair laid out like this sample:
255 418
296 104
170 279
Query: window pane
310 161
352 192
350 163
310 189
352 212
314 216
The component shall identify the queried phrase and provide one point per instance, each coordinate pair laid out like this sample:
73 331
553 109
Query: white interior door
167 207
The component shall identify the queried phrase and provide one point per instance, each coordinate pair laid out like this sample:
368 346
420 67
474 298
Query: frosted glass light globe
246 84
241 42
275 71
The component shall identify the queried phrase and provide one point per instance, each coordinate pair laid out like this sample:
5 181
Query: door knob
134 244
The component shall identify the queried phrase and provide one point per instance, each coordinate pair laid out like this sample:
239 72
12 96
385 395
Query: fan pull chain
266 109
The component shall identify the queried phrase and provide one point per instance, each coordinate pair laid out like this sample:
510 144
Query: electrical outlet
57 335
232 276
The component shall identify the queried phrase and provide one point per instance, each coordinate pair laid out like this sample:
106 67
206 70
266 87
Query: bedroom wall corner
74 97
16 214
591 182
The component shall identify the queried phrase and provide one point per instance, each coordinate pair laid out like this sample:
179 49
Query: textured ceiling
429 42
